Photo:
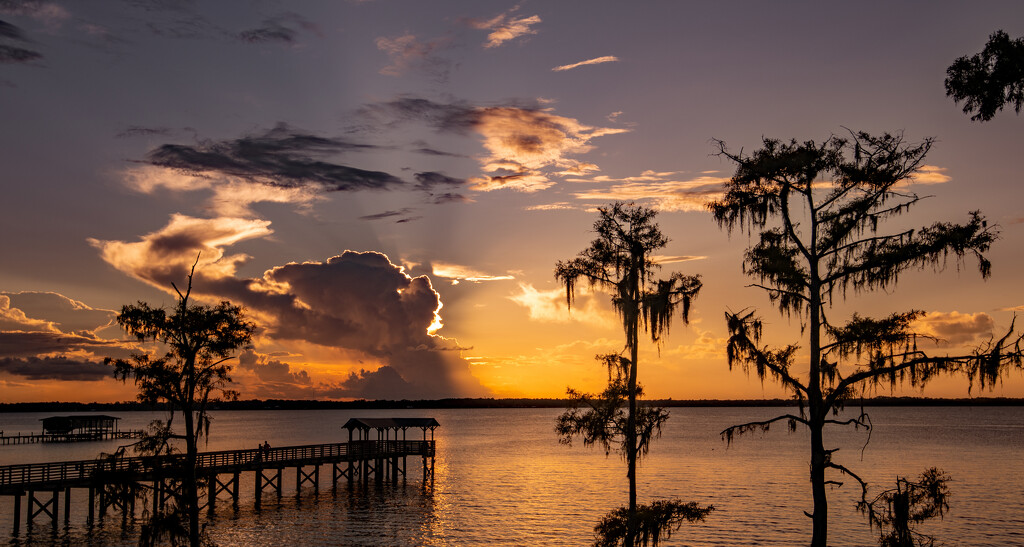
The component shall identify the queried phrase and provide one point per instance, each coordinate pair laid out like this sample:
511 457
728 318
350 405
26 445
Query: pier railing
19 477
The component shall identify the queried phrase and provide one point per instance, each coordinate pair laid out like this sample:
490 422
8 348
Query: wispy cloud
15 319
406 52
929 174
48 336
550 306
449 197
559 206
673 259
660 190
505 27
459 273
50 14
282 156
13 52
62 314
403 212
283 28
594 61
280 165
56 368
428 180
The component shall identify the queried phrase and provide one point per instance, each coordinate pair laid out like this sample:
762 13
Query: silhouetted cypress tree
621 260
817 210
199 340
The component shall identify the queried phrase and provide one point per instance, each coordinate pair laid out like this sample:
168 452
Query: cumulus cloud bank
356 301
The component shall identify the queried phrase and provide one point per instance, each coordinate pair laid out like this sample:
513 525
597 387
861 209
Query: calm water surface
501 478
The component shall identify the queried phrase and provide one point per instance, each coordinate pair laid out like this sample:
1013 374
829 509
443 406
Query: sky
386 186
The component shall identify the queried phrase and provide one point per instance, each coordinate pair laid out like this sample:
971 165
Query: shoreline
287 404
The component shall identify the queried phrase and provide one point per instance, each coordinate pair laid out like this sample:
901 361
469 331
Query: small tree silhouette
897 512
620 259
990 80
817 209
199 340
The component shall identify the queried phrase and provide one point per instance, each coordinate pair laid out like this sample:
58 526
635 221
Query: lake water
502 478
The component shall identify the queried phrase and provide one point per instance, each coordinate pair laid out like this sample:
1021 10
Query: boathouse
96 426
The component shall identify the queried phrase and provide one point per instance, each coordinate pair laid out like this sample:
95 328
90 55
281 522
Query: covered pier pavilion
387 431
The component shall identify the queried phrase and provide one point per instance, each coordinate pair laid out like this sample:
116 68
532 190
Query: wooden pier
359 459
69 437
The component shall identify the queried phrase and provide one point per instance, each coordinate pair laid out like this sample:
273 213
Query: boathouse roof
390 423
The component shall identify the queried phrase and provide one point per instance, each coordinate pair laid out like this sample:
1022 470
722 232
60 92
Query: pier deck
382 459
68 437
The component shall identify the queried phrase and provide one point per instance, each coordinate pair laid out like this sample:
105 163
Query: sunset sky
386 186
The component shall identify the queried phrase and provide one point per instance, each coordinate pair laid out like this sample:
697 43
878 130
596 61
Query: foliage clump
898 512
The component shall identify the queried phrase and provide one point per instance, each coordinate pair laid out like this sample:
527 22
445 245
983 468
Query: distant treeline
284 404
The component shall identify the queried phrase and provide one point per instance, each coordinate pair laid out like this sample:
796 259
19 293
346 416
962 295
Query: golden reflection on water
501 478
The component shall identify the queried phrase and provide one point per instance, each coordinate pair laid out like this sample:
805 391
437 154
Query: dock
359 459
69 437
70 429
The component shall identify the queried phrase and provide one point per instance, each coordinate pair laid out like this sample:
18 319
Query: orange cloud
14 319
230 196
525 147
550 306
522 142
167 255
594 61
61 314
955 328
504 27
458 273
929 174
665 195
671 259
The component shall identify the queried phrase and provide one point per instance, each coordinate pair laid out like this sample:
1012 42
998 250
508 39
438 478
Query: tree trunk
631 447
816 401
632 319
819 534
191 490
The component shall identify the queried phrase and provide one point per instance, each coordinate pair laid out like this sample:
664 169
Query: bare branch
728 433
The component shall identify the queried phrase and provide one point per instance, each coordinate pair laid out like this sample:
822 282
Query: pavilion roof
390 423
